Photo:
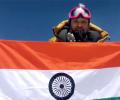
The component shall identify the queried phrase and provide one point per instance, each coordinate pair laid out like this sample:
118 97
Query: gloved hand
65 35
77 36
70 37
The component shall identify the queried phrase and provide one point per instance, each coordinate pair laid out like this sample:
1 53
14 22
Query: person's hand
70 37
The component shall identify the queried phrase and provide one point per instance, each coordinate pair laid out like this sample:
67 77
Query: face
79 24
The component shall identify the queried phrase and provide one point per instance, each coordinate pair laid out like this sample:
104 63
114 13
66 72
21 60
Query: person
78 28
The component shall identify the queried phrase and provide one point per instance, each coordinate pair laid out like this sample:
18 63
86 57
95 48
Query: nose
80 26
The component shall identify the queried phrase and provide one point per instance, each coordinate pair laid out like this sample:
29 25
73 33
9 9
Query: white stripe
33 84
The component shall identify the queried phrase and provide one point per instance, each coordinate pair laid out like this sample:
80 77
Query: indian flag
59 71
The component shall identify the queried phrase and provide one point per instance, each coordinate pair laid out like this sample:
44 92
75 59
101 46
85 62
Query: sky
33 20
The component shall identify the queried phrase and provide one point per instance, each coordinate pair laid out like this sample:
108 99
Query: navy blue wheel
61 86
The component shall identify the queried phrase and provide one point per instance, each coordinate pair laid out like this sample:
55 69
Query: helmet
80 11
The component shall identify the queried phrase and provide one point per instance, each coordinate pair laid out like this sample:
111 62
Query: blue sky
33 19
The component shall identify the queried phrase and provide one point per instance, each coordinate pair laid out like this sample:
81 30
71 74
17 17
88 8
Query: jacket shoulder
59 27
102 32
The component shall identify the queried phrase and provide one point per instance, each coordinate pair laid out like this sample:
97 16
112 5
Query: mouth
77 29
80 30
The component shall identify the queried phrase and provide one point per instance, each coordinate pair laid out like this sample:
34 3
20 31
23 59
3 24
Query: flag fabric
61 71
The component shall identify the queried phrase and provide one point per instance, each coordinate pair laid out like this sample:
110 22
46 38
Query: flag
61 71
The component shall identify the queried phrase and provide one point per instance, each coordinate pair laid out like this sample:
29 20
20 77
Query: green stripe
112 98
